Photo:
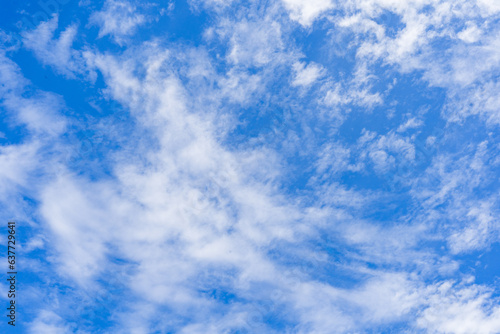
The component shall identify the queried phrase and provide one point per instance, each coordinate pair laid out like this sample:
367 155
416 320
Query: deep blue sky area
287 166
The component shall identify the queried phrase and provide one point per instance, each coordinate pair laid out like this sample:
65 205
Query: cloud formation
288 166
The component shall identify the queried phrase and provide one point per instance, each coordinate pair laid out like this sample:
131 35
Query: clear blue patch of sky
483 265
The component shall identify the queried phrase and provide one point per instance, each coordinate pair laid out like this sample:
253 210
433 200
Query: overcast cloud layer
293 166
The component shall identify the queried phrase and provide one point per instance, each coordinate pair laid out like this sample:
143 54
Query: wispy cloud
291 166
118 19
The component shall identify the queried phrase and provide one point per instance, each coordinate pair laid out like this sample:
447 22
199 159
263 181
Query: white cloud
49 323
118 19
334 158
38 113
387 297
354 93
57 53
386 151
306 75
163 198
450 42
475 235
480 100
470 34
461 310
451 183
412 123
254 43
490 7
306 12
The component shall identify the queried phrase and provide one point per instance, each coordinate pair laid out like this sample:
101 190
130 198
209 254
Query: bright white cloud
306 75
464 311
305 12
118 19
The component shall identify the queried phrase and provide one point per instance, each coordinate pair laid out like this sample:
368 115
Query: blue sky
290 166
